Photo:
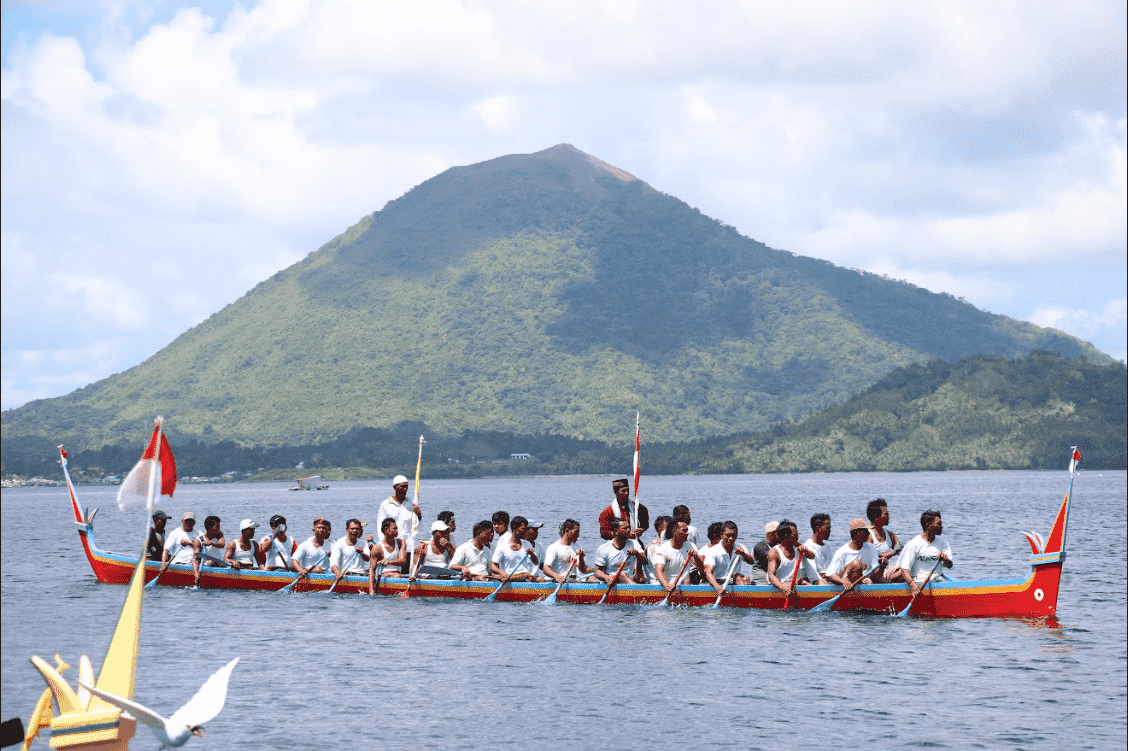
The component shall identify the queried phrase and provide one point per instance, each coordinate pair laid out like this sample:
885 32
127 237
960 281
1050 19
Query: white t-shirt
477 561
401 512
919 556
309 555
344 554
511 561
273 558
716 557
210 549
846 554
823 554
529 567
559 557
608 558
178 543
671 559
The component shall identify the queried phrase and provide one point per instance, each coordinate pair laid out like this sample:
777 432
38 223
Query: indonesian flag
638 451
156 470
1073 461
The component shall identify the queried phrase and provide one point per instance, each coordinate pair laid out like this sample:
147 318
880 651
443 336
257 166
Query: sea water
351 671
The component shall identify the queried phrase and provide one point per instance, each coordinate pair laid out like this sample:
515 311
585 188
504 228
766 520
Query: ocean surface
357 672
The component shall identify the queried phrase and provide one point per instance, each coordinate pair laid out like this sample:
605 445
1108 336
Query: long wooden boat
1032 596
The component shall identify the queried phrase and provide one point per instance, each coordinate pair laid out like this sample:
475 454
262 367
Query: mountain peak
562 166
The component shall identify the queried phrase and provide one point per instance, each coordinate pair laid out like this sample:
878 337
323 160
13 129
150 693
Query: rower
761 550
154 550
500 521
560 554
533 562
850 563
620 509
211 544
394 507
349 554
178 547
786 555
310 554
714 534
243 553
447 518
670 558
611 554
660 525
820 533
719 558
681 514
275 541
390 551
438 550
918 559
884 541
472 558
509 558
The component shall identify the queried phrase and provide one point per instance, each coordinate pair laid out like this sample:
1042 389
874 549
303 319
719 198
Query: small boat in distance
310 483
1032 595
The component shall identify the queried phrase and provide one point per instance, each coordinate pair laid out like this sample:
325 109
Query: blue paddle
290 587
493 595
826 605
552 597
927 581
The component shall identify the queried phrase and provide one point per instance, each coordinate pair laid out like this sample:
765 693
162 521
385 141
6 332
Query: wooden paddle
677 583
794 577
614 580
732 570
552 597
826 605
414 571
290 587
904 613
493 595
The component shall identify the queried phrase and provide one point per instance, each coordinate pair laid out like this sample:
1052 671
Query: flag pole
637 473
415 507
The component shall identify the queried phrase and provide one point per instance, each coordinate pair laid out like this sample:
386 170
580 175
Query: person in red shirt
620 509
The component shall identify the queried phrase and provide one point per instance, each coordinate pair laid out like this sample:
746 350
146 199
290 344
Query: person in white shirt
178 546
277 547
500 521
532 564
313 554
508 561
786 555
670 560
610 556
560 555
395 507
719 559
350 553
472 558
920 555
884 541
243 553
857 561
211 542
820 533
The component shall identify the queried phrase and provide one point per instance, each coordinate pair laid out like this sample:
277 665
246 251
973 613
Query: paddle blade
904 613
825 606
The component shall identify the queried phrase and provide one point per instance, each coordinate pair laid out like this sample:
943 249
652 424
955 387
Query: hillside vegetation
542 294
983 412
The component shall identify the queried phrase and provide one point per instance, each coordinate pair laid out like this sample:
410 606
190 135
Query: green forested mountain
548 293
983 412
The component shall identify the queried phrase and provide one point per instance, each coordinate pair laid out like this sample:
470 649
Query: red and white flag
1073 461
155 472
638 450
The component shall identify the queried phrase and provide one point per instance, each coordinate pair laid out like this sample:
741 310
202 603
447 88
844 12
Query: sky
159 159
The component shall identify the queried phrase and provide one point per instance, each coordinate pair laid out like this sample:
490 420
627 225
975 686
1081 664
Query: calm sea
358 672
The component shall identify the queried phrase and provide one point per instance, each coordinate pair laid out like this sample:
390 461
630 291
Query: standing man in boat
394 507
620 508
919 557
611 554
313 554
275 541
786 555
154 550
850 562
472 558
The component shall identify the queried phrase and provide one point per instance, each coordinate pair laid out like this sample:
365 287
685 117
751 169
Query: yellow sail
120 666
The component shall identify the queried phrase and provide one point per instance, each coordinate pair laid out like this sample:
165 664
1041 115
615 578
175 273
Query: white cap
247 524
439 526
535 524
398 480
